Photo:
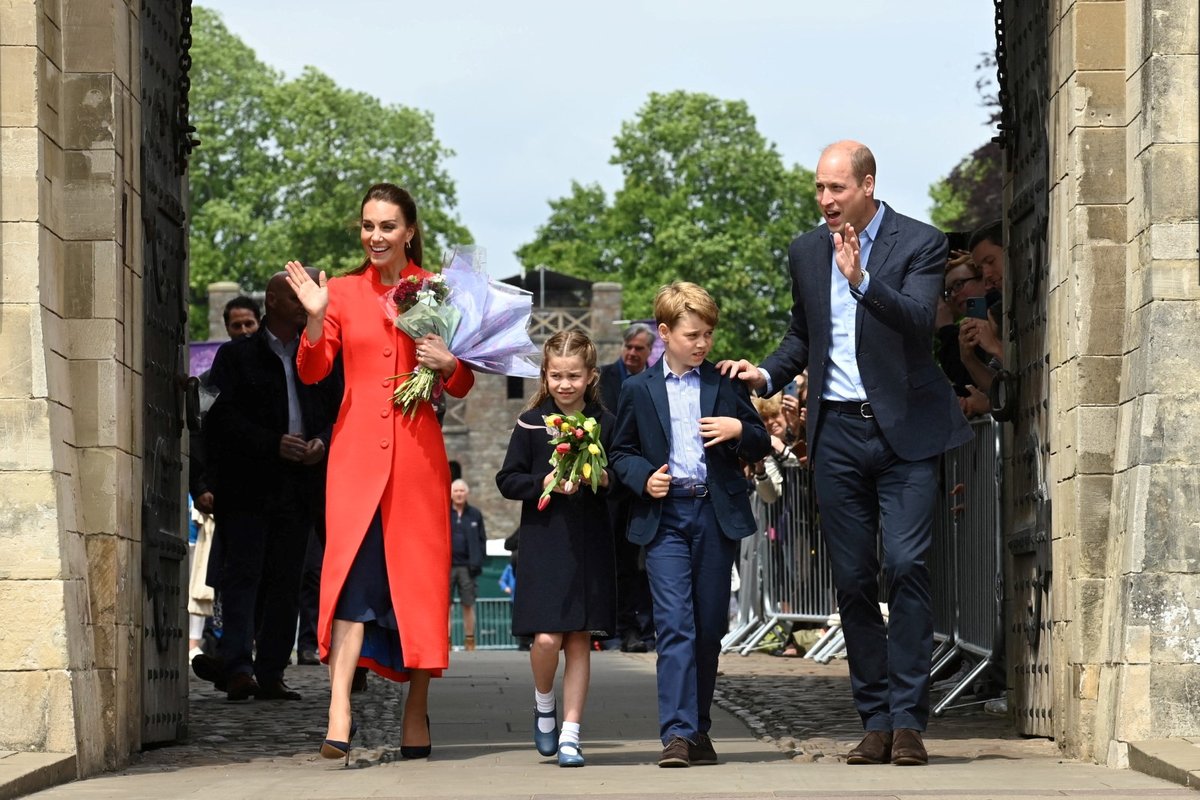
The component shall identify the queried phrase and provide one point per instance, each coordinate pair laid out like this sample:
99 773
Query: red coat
380 458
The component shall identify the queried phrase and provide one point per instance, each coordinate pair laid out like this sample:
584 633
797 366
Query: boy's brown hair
676 299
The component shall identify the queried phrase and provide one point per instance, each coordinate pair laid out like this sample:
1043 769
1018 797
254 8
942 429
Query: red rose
580 433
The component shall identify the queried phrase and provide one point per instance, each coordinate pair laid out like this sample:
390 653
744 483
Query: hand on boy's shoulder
743 371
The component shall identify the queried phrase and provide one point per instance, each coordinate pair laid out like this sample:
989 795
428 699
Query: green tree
282 166
705 198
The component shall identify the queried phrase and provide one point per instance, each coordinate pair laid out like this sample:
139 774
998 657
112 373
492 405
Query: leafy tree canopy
283 164
705 198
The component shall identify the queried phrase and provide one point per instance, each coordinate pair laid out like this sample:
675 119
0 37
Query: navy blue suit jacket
642 444
912 400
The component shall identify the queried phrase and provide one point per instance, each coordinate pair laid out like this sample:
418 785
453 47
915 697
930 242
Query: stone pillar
606 309
1149 677
1087 311
70 357
219 294
1124 358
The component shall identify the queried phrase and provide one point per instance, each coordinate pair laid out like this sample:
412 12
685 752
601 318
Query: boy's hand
719 429
658 483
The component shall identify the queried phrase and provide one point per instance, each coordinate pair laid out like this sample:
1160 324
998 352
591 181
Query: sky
530 94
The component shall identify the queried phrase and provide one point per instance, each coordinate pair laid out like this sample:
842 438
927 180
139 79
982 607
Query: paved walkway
784 725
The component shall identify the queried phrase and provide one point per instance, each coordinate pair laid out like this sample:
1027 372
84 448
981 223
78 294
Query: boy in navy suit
681 429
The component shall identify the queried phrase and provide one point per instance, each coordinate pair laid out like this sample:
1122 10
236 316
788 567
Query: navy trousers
263 558
689 563
863 488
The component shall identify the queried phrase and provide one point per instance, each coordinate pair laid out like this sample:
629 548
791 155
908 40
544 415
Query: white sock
569 734
544 704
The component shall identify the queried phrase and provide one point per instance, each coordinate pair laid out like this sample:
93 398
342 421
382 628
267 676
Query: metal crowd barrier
786 576
493 624
973 473
749 597
795 583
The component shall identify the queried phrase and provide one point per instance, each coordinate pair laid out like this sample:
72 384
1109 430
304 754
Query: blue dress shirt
686 461
842 380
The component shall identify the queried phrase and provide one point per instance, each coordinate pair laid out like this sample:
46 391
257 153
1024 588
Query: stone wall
1125 359
69 388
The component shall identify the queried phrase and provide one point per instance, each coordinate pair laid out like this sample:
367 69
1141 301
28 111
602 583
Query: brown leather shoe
875 748
241 686
702 753
908 750
276 690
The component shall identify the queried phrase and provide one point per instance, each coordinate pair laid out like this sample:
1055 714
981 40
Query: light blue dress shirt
286 351
686 461
842 381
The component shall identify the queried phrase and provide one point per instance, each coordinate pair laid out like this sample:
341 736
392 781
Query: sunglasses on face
957 286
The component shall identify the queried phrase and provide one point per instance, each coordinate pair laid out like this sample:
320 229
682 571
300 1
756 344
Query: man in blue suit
682 431
880 414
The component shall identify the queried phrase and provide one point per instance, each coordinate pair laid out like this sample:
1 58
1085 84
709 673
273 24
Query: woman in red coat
384 601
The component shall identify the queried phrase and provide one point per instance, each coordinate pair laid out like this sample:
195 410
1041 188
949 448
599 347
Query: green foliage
705 198
283 164
971 195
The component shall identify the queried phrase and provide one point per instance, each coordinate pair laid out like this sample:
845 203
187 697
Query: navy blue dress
366 598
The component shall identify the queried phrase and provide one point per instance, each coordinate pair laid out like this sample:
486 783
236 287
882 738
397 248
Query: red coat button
387 351
384 443
385 412
387 382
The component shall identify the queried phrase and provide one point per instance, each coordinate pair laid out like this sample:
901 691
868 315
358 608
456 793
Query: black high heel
332 748
418 751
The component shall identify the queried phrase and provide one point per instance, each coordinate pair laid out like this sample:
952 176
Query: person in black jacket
467 544
267 435
635 617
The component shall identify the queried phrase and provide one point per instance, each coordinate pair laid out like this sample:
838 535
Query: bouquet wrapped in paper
493 336
578 455
483 322
422 307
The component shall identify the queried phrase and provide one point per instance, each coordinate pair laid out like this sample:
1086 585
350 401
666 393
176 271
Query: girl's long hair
566 344
391 193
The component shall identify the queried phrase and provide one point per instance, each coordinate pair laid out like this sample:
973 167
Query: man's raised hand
846 252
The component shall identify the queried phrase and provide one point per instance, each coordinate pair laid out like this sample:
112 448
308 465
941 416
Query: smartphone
977 307
791 388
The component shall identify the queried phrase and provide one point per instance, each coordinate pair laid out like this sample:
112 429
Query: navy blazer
912 400
642 444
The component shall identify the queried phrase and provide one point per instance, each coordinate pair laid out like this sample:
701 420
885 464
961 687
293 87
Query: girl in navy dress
566 570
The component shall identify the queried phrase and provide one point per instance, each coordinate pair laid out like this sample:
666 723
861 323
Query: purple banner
200 356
